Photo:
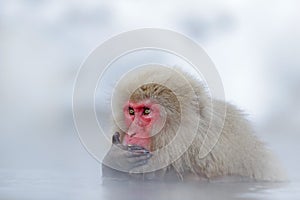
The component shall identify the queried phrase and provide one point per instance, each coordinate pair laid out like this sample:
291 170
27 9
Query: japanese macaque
168 127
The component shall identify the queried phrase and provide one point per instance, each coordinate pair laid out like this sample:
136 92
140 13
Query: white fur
235 151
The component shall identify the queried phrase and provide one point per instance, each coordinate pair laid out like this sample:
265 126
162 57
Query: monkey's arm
121 159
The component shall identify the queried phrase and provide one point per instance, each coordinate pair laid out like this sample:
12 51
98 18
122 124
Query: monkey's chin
143 142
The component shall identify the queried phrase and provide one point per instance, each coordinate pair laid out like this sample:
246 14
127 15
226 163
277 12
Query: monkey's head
147 114
157 107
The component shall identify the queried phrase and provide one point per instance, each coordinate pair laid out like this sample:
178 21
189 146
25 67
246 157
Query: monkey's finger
116 138
139 158
136 147
139 153
140 163
130 154
134 160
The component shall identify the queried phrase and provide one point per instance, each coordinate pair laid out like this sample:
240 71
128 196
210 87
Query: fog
254 45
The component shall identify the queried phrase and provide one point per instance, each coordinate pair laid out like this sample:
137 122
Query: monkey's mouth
140 141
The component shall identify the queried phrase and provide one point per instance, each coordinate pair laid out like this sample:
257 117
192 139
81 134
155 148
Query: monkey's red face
140 119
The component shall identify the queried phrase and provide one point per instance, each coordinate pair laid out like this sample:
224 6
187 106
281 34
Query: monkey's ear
116 138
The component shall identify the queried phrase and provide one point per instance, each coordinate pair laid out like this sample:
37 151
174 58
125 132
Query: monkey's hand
125 157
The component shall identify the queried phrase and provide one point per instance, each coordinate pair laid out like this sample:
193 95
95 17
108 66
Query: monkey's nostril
133 134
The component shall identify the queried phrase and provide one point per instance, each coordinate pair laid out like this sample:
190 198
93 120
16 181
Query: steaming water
42 185
87 184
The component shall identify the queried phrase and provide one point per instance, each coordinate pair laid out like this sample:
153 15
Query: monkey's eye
131 111
146 111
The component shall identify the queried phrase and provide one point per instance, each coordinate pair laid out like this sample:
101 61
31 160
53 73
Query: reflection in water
34 184
185 190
